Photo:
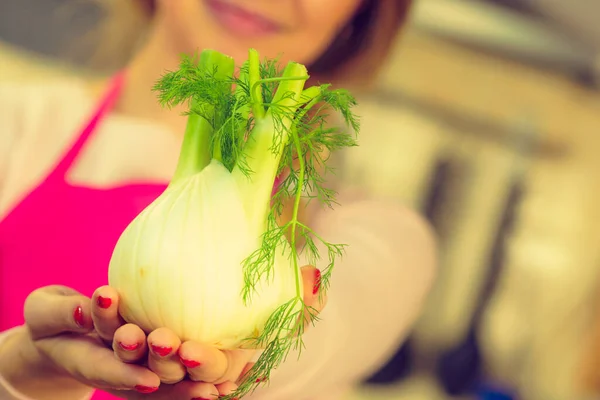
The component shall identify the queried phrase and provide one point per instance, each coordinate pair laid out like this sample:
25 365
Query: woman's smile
241 21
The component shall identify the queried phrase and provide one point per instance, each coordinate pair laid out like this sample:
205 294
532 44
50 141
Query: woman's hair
354 57
361 48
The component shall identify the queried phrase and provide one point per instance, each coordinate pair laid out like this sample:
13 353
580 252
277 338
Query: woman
75 171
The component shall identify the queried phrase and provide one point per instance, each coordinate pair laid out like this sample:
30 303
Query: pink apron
64 234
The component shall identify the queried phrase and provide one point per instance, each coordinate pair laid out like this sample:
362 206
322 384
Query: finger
52 310
194 390
129 343
245 371
226 388
88 361
105 312
209 364
314 298
186 390
163 359
245 374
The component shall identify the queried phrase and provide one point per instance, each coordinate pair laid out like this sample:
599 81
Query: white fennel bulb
178 264
211 258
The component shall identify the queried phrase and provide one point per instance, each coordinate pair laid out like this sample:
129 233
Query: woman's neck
137 98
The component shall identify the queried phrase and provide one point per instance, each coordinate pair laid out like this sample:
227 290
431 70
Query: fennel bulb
207 259
178 264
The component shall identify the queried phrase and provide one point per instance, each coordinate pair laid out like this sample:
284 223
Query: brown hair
360 49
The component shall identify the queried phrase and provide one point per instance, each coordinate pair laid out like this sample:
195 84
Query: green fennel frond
311 138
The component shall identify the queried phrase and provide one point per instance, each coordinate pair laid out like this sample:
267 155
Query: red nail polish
78 316
162 351
104 302
317 284
145 389
190 363
129 347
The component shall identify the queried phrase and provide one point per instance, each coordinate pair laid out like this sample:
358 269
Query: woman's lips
241 21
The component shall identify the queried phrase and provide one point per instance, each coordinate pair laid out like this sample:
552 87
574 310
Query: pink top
61 234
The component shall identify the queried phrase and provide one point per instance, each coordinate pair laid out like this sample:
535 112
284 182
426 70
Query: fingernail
162 351
145 389
276 184
317 284
190 363
78 316
104 302
263 379
129 347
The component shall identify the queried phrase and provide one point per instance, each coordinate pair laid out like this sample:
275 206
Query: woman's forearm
24 374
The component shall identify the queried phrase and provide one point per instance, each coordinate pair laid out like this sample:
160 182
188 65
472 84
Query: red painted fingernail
78 316
190 363
162 351
104 302
129 347
317 284
145 389
263 379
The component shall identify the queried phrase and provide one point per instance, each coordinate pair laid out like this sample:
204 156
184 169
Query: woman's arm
377 291
7 340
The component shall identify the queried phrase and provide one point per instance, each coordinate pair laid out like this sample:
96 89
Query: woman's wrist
14 353
25 371
21 365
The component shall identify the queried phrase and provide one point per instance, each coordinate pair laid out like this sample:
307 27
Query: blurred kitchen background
488 116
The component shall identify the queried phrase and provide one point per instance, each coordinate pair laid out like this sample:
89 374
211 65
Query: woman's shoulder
40 117
49 98
37 119
41 112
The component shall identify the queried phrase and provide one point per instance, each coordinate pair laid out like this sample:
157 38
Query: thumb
53 310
